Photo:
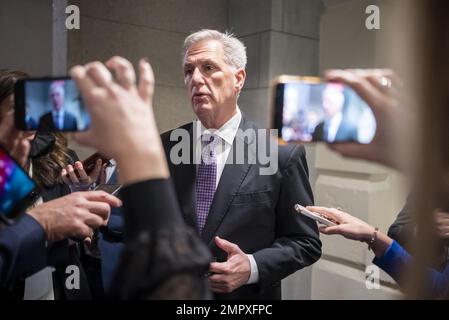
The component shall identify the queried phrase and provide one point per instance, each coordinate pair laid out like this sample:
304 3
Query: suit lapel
230 182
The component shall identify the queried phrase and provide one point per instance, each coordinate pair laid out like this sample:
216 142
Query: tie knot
209 138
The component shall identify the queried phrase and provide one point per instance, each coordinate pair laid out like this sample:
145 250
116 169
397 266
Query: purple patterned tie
206 178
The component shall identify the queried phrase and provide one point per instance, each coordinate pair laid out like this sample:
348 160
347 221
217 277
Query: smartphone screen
15 187
319 111
49 104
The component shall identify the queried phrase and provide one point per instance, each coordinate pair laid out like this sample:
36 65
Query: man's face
57 97
212 84
333 100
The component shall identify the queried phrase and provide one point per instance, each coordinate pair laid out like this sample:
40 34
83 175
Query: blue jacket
397 260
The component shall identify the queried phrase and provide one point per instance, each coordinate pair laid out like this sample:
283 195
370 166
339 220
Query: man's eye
187 72
209 67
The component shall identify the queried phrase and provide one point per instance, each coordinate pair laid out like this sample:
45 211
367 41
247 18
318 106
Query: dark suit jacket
22 250
347 131
162 258
403 231
111 243
255 212
70 123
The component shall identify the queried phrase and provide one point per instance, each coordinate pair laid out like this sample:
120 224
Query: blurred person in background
49 154
23 244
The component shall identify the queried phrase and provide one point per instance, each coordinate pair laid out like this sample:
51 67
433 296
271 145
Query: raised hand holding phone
318 217
81 175
306 109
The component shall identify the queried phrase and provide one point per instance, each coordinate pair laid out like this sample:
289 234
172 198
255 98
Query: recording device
109 188
305 109
49 104
16 188
318 217
90 162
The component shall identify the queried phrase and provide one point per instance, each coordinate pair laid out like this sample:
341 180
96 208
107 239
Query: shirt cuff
254 276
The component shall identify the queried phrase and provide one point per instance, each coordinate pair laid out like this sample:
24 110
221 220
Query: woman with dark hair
49 154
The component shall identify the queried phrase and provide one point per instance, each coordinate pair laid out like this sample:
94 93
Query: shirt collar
226 132
58 114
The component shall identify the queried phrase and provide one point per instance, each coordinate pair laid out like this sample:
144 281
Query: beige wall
33 37
371 192
146 28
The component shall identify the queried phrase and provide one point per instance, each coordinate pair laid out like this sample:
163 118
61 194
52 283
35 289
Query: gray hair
234 49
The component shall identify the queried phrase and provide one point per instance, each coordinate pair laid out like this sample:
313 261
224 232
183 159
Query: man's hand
231 274
75 215
82 182
442 224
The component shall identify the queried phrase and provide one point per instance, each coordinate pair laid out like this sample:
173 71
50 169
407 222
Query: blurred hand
75 215
13 140
442 224
354 229
122 120
82 181
350 227
378 88
231 274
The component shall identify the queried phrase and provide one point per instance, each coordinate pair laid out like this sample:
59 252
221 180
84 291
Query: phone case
314 216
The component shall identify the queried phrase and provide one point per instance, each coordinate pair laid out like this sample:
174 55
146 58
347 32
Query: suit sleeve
22 249
162 259
297 243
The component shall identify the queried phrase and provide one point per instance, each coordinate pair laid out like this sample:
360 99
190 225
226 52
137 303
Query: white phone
315 216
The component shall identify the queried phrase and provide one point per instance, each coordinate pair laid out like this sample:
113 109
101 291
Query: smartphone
327 221
90 162
49 104
17 189
305 109
109 188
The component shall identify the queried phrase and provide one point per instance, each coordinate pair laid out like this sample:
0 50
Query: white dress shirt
227 133
110 169
333 126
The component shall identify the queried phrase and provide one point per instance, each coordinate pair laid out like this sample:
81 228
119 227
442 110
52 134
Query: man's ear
240 77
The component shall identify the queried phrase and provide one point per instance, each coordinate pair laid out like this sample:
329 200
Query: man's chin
202 108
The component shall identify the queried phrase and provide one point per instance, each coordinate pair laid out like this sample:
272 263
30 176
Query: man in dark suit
58 118
246 217
335 126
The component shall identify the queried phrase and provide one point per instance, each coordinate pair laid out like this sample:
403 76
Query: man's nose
197 76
